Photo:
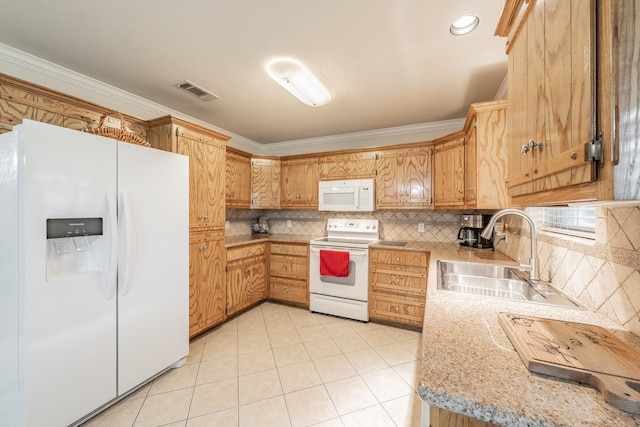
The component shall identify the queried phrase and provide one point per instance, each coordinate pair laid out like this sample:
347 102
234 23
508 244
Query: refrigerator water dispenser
74 246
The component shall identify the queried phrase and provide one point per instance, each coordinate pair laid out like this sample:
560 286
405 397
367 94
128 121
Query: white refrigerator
94 271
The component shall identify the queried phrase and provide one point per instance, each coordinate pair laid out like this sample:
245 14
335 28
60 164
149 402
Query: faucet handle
524 267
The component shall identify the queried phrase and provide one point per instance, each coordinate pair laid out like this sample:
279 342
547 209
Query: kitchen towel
334 263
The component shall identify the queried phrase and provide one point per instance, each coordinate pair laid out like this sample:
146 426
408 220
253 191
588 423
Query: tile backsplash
602 274
439 226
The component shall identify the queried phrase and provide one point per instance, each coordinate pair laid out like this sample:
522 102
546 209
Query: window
573 220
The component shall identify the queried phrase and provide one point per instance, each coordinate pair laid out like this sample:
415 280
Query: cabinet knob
247 271
397 258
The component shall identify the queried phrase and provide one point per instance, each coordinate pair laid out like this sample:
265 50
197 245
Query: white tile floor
281 366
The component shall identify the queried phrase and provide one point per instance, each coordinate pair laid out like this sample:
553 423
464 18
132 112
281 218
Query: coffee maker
471 225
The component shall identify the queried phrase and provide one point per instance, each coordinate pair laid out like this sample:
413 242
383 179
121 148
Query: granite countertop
254 238
469 366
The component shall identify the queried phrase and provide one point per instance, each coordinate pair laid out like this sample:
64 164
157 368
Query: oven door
355 286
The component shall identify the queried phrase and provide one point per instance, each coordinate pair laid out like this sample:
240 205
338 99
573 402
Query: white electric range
343 296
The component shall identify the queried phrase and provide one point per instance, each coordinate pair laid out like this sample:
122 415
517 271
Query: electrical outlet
289 223
421 227
227 225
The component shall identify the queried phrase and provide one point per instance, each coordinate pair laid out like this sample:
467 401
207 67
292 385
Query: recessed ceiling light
464 25
299 81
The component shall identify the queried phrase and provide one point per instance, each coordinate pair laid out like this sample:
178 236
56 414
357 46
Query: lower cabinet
439 417
289 273
398 285
246 276
207 289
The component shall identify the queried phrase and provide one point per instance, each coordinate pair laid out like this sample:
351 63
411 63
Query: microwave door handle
357 197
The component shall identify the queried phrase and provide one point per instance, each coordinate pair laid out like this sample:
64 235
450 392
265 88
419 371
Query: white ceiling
386 63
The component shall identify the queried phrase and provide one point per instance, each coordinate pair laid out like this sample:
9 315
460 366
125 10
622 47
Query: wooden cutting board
576 351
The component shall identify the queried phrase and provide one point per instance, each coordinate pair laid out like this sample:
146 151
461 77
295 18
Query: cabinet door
348 166
191 148
551 91
246 283
471 169
265 183
207 288
486 157
416 179
404 178
389 181
206 182
300 183
213 207
448 173
238 181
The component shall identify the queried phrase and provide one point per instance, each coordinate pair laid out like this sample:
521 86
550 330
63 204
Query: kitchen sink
498 281
390 243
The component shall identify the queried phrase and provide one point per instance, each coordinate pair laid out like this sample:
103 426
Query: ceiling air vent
196 90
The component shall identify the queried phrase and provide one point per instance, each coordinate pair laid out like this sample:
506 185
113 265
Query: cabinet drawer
407 285
239 252
408 258
397 308
289 249
289 266
289 290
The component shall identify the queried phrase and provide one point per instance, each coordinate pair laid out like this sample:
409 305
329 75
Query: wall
602 274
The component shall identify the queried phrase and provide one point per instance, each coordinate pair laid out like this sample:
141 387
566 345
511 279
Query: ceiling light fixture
299 81
464 25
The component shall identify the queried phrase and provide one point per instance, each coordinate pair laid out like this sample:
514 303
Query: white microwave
352 195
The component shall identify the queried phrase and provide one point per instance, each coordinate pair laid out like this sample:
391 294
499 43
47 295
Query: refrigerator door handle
127 249
110 277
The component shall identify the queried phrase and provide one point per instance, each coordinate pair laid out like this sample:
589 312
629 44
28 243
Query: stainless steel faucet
533 261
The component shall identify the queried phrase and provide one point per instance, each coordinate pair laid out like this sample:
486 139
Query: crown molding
377 137
25 66
28 67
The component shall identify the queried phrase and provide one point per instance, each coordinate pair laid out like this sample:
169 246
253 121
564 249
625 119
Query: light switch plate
421 227
227 225
289 223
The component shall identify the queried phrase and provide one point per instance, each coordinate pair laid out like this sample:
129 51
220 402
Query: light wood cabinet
448 171
207 287
404 178
439 417
300 183
238 180
551 102
485 156
246 276
398 285
289 273
348 165
265 183
206 152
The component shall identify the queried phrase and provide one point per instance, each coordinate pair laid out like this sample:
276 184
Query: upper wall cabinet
448 171
265 183
551 93
485 156
300 183
348 166
206 152
562 97
404 178
238 179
